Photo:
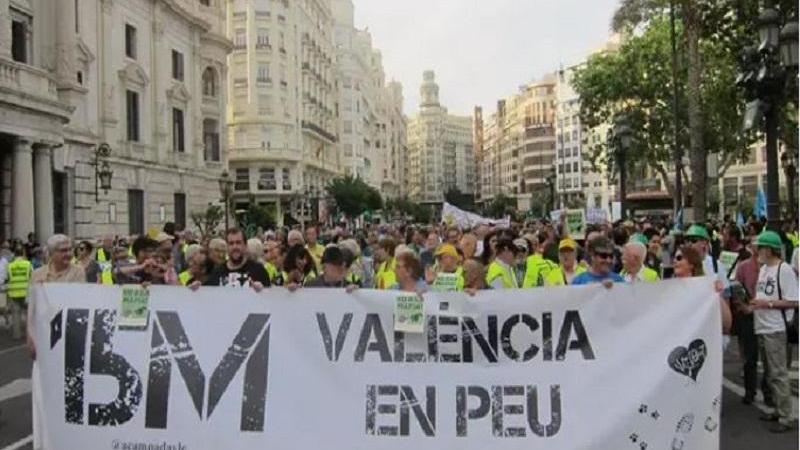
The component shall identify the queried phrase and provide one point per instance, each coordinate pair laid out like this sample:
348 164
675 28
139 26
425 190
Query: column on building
43 190
22 214
5 30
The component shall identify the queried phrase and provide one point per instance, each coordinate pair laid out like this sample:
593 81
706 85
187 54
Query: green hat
639 237
698 231
769 239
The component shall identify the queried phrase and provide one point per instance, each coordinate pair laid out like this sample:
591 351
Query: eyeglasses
602 255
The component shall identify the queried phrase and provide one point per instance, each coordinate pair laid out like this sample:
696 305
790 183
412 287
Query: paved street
741 429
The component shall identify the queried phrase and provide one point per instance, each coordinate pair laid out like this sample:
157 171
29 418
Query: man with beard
238 271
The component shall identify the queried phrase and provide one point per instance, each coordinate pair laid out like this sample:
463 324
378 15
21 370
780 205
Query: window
210 140
575 167
132 115
205 2
130 41
177 65
266 179
281 42
209 82
265 104
240 38
287 179
262 38
263 73
21 37
347 127
348 149
242 180
180 210
135 211
177 131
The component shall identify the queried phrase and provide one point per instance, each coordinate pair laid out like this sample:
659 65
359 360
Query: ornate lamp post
789 161
551 184
764 77
225 190
620 139
102 170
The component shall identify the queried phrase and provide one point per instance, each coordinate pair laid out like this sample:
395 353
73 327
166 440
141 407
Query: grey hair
255 249
352 246
218 243
54 241
403 248
191 250
640 249
295 234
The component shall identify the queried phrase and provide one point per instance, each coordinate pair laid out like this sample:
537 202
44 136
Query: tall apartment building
142 76
283 108
371 111
519 146
440 149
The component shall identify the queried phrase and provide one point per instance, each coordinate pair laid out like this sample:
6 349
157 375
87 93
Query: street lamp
551 184
620 139
764 78
225 190
102 170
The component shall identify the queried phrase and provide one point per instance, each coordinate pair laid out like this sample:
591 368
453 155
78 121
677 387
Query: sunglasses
603 255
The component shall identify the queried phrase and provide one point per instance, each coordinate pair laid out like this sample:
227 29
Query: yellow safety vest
101 255
184 277
19 275
106 277
496 270
272 271
556 276
648 274
386 276
537 268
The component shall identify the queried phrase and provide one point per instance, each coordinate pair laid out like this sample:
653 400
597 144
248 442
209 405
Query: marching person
385 276
537 266
633 268
601 257
19 276
446 275
334 271
89 264
688 262
409 274
273 261
105 252
697 236
776 294
314 247
500 274
217 251
299 267
238 271
568 267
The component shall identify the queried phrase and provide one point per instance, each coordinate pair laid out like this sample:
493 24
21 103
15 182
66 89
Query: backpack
791 325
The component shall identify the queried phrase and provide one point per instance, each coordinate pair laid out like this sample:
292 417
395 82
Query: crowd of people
755 269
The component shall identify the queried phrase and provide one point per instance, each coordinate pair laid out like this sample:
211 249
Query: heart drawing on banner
688 361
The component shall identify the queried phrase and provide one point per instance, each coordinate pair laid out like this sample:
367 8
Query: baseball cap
567 244
446 249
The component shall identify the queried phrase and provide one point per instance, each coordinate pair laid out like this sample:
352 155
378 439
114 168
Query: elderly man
59 270
633 268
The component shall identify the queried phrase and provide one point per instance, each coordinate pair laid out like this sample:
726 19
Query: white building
440 151
283 118
371 111
142 76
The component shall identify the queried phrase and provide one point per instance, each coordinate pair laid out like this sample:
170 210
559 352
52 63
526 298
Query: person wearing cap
633 268
601 257
776 292
697 236
334 270
568 268
537 266
445 276
500 274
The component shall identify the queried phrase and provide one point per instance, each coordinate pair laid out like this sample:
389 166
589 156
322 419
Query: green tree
208 220
459 199
256 218
353 196
501 206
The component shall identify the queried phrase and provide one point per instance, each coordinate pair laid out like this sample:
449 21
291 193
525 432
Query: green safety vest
184 277
537 268
496 270
556 276
19 276
648 274
386 276
106 277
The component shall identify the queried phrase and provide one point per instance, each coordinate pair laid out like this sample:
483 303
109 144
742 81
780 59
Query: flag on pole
760 208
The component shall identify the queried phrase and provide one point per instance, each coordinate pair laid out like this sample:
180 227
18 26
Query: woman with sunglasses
85 259
688 262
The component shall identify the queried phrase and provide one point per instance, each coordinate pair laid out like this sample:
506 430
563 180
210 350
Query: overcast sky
481 50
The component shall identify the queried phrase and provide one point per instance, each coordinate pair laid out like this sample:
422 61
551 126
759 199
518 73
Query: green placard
134 309
445 282
728 259
576 223
409 313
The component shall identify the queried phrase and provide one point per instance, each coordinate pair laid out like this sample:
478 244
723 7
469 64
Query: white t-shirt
769 321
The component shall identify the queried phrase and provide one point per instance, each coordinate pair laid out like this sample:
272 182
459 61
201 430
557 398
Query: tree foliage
405 208
208 221
459 199
501 206
255 218
353 196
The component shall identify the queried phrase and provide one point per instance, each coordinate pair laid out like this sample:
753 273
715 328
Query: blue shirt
588 278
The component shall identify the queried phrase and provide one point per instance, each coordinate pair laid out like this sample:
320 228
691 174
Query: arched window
209 82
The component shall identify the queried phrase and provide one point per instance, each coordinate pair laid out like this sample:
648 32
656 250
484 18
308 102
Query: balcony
28 79
261 154
318 130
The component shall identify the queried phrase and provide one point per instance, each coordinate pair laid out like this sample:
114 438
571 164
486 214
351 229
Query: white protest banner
222 368
596 215
452 215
